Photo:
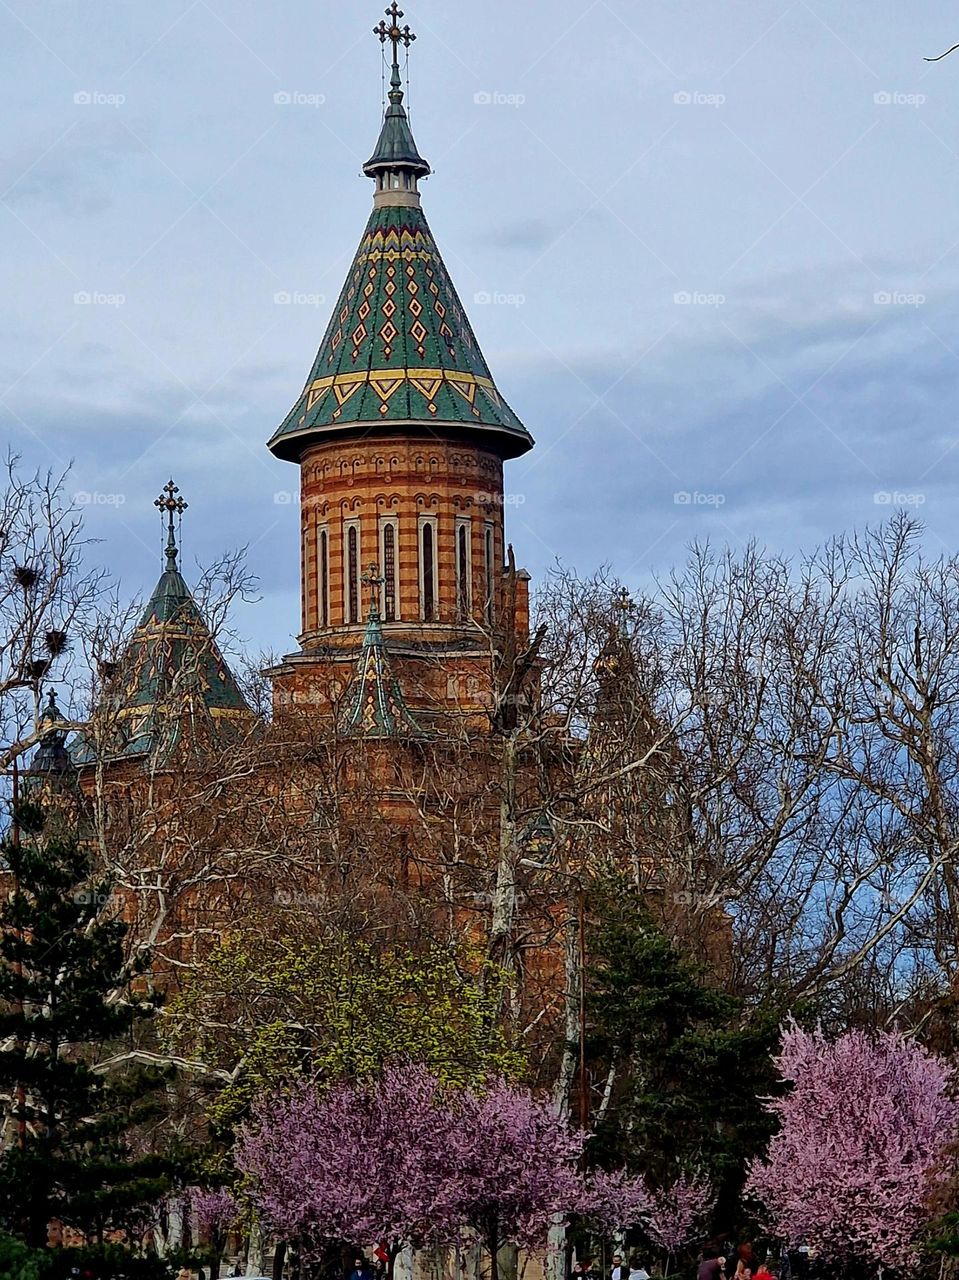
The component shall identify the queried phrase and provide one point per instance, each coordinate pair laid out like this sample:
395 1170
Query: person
577 1269
619 1272
763 1272
636 1270
712 1268
360 1270
745 1262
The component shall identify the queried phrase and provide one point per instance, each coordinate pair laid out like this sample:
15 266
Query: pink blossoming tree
679 1213
862 1128
361 1162
615 1201
515 1164
404 1161
216 1211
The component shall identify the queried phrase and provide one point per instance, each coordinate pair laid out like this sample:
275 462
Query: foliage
680 1212
407 1159
862 1127
104 1262
66 999
515 1165
691 1061
365 1160
17 1262
335 1007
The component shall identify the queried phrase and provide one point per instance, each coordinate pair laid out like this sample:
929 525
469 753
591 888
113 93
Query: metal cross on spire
393 31
374 581
172 503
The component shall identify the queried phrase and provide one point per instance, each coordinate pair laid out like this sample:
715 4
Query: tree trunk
279 1259
254 1257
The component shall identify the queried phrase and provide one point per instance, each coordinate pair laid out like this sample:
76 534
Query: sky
710 251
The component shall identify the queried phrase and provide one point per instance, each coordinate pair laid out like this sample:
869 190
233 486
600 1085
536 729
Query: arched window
389 572
428 570
323 585
353 573
463 593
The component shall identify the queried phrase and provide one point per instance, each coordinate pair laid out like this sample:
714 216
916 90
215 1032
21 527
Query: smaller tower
173 684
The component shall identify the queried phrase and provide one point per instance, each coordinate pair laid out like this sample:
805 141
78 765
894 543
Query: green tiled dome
399 348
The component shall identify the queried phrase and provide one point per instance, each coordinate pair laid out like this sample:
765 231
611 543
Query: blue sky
711 253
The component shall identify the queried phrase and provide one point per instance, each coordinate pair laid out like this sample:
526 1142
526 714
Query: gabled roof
374 706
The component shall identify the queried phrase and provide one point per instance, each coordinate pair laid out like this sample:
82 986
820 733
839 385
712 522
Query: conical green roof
399 349
396 147
374 706
172 669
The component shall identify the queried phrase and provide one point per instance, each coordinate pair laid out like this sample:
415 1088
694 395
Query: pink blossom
216 1209
862 1128
679 1212
615 1201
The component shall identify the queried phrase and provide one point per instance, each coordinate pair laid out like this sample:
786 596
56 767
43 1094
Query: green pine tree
693 1062
68 1003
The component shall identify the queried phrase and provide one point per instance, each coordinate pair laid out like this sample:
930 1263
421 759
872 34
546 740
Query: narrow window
324 582
353 573
463 568
428 572
489 578
389 572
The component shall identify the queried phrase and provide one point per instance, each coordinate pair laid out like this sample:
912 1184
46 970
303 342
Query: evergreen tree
693 1062
68 1001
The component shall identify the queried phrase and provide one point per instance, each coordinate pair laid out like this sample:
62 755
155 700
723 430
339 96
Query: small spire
624 605
171 502
374 706
396 163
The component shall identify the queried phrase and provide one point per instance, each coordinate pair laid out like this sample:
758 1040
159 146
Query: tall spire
375 706
171 502
396 164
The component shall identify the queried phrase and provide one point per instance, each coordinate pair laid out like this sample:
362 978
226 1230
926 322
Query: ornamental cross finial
172 503
393 31
624 601
374 581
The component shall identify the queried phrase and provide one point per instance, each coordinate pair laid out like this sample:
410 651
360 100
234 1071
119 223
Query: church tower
400 434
